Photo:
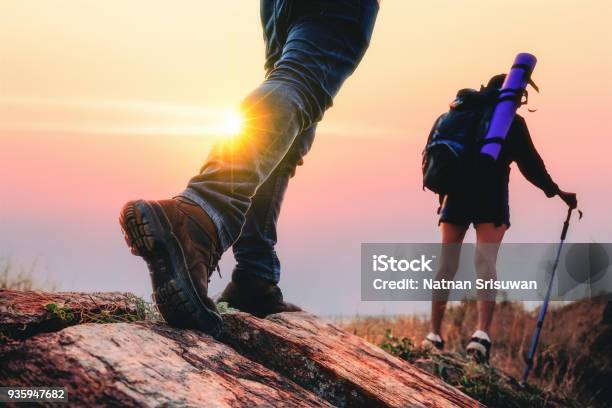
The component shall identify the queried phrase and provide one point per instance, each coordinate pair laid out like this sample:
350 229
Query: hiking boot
255 295
479 347
433 341
179 242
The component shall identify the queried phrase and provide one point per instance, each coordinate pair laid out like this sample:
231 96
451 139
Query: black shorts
477 206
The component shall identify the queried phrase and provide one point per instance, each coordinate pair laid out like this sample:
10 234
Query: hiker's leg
254 285
452 237
254 250
488 240
324 43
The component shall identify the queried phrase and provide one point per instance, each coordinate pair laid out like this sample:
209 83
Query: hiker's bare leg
488 240
452 236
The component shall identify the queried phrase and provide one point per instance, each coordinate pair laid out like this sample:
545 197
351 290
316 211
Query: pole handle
566 224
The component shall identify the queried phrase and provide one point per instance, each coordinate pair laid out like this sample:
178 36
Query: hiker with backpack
474 190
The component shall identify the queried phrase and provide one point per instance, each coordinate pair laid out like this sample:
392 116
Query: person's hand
569 198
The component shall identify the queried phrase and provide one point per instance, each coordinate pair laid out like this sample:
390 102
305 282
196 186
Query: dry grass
22 277
482 382
574 354
127 310
511 330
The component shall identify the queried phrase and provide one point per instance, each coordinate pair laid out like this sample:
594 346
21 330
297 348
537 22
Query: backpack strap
526 67
511 94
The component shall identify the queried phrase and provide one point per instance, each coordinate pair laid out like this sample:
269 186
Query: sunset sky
102 102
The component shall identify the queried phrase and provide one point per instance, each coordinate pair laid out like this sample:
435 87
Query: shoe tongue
434 337
200 226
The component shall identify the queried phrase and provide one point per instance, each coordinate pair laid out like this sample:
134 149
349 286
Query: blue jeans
312 47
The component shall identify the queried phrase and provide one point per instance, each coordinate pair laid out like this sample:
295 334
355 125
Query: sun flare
232 123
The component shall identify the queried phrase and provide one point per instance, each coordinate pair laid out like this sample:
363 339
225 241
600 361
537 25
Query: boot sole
149 235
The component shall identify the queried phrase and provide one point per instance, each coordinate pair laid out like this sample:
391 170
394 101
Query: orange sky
101 102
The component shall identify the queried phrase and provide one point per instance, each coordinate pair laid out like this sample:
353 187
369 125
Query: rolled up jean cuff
225 239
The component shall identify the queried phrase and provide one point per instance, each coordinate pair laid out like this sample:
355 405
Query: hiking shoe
432 341
255 295
479 347
178 241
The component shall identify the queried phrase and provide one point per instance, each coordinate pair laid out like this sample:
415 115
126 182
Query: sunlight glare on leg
232 123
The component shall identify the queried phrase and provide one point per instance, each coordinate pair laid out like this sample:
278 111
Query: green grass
223 307
61 312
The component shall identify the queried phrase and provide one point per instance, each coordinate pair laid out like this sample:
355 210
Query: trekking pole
538 329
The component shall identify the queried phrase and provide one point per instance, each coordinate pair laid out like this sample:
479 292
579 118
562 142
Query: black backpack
454 140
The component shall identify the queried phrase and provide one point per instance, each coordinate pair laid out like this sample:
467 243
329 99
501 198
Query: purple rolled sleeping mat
508 102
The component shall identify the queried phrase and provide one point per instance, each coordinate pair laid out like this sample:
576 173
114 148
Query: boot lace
213 265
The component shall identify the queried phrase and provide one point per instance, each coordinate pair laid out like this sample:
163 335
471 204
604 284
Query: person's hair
496 82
